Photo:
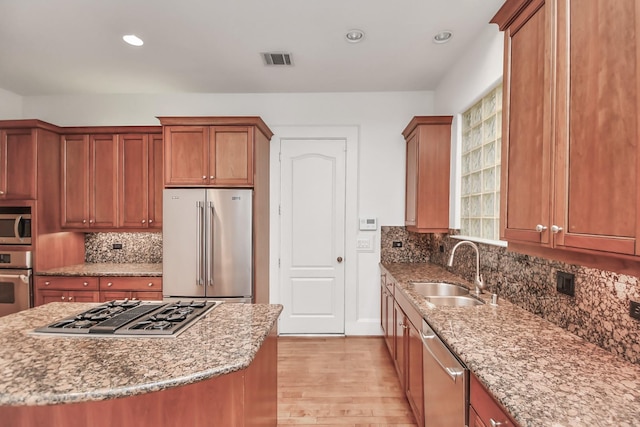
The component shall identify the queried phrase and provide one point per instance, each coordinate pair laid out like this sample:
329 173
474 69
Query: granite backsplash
599 311
136 248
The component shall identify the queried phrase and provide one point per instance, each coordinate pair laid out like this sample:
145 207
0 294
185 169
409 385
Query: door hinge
280 156
278 262
279 210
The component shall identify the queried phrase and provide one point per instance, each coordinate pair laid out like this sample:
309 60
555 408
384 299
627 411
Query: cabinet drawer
485 405
131 284
67 283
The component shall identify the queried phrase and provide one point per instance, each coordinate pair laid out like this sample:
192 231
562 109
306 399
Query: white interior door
312 212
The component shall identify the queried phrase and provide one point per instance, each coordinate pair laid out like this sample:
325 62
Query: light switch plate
364 244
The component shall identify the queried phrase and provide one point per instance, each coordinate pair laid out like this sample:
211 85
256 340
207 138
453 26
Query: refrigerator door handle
211 244
199 252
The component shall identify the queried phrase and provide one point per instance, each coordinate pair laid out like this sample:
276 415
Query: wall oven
15 225
16 281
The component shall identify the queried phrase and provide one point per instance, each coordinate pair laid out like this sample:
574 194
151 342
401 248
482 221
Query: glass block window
481 142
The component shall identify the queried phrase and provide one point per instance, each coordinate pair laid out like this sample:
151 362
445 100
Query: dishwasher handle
453 372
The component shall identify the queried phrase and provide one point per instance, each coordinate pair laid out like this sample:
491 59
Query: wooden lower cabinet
407 353
484 411
96 289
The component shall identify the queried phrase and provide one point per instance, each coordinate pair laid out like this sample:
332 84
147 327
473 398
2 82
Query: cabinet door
83 296
156 181
411 188
75 181
474 419
598 180
134 180
231 155
415 391
186 150
526 152
103 181
399 343
17 164
46 296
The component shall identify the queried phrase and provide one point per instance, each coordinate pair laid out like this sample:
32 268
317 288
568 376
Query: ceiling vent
276 58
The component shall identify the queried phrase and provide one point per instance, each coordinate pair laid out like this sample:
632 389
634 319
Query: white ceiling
57 47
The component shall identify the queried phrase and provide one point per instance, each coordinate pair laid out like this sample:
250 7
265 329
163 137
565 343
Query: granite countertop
542 374
42 370
106 269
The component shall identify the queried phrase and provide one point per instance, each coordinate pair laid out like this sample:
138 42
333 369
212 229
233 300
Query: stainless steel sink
428 289
454 301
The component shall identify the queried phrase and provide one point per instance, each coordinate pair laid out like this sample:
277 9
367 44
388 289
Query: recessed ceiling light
443 36
133 40
354 36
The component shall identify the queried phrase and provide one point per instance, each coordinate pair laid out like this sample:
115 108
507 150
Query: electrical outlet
441 249
634 309
396 244
117 246
565 283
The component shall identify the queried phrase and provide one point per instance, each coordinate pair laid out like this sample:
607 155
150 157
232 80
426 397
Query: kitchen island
543 375
220 371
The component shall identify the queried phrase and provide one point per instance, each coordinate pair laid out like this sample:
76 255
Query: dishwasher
446 383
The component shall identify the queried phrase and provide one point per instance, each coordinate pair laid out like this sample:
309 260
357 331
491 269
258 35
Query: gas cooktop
129 318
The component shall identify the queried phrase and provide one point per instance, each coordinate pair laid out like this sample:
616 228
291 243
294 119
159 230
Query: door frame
351 136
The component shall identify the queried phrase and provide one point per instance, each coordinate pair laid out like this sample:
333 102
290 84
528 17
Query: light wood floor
339 382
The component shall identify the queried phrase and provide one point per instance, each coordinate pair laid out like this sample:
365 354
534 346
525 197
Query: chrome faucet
478 282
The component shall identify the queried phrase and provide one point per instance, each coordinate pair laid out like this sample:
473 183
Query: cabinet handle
495 423
143 221
150 284
540 228
555 229
110 284
403 325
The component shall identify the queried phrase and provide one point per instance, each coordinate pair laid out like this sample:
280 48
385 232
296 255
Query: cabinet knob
204 177
1 192
150 221
85 283
150 284
70 298
62 298
90 221
540 228
133 299
144 221
555 229
212 177
495 423
84 221
110 284
47 283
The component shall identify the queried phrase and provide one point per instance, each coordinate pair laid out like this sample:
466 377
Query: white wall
475 73
379 117
10 105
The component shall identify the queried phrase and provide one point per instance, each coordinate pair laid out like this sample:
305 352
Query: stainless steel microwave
15 225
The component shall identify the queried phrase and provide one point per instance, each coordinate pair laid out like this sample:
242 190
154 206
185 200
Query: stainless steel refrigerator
207 244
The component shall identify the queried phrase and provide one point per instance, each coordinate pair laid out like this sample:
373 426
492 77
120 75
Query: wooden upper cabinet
140 181
428 173
526 144
231 155
89 181
17 164
186 155
598 132
570 170
211 151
